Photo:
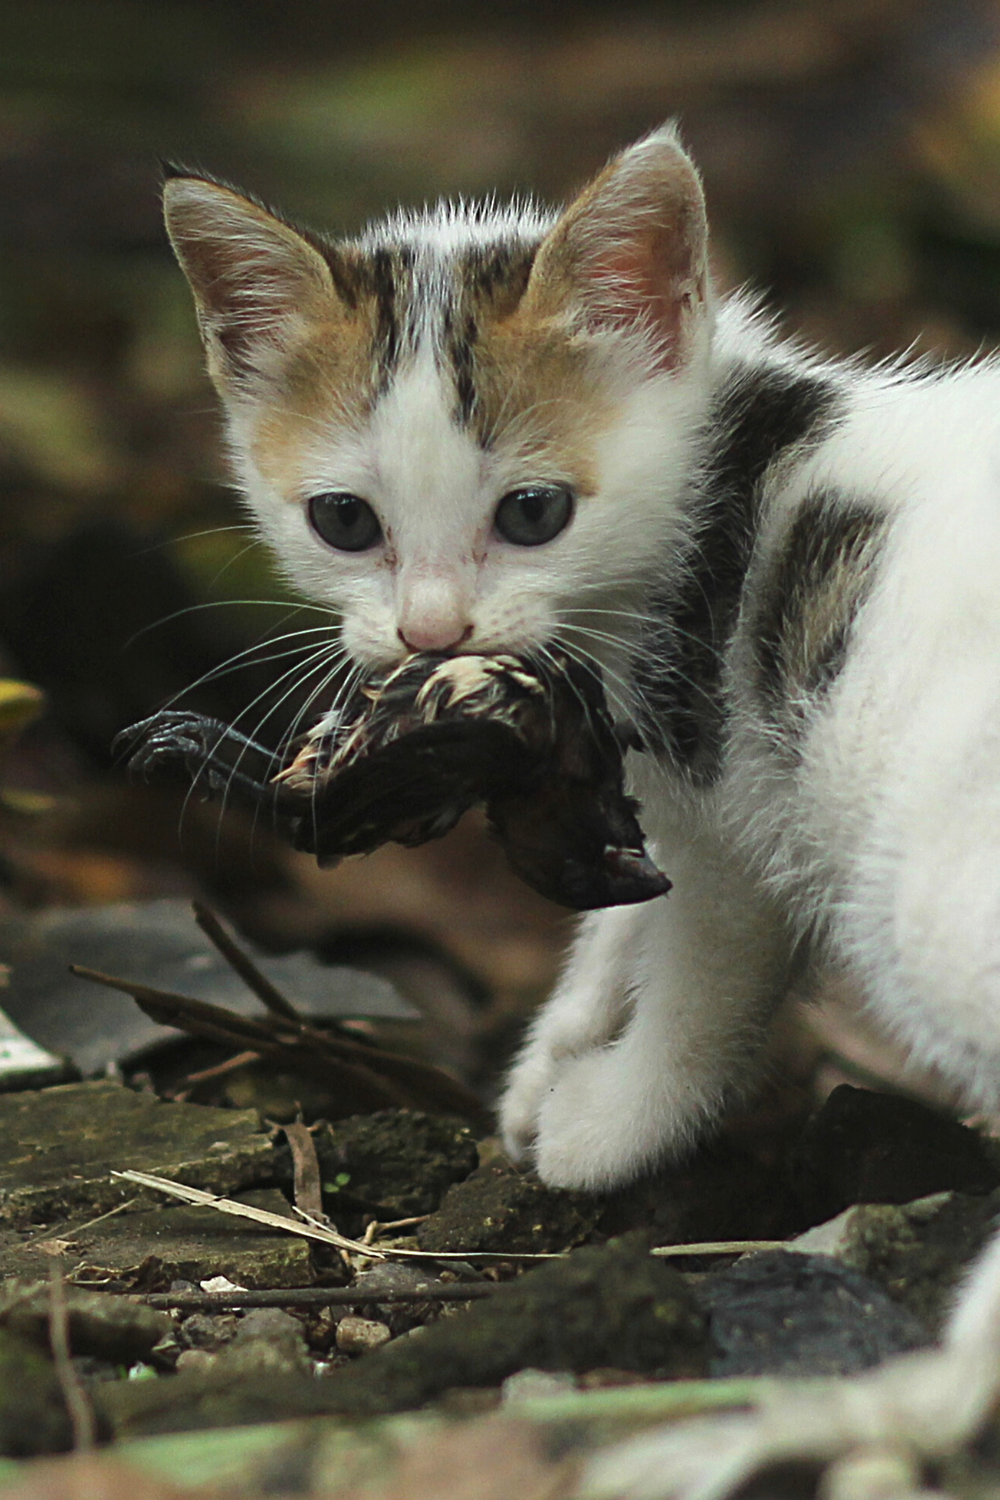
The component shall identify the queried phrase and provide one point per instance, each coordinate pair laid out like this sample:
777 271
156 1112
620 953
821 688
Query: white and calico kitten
487 429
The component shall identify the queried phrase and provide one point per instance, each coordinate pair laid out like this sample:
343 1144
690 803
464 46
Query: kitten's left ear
632 249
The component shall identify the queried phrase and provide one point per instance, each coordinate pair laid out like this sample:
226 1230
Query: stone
917 1252
266 1340
864 1147
100 1325
720 1192
603 1305
59 1145
148 1249
33 1417
195 1360
782 1313
209 1332
360 1335
397 1161
501 1209
398 1276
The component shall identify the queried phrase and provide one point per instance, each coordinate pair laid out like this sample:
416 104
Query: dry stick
202 1199
81 1414
312 1231
335 1034
220 1070
201 1018
390 1077
719 1247
316 1296
308 1189
243 964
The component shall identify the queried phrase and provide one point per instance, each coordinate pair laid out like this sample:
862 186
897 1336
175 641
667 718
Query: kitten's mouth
416 747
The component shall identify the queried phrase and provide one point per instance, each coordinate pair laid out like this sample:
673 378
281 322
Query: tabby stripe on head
760 415
490 282
821 577
386 324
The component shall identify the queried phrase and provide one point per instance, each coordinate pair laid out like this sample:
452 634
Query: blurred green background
851 154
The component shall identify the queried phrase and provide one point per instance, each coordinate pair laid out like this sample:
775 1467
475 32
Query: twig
222 1069
318 1296
202 1199
718 1247
376 1077
81 1414
376 1226
310 1230
309 1052
69 1231
307 1188
243 964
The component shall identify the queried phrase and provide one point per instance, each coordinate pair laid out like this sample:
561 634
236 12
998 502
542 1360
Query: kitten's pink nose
432 609
433 636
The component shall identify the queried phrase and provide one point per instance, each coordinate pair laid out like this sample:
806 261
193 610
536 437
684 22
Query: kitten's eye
534 515
345 521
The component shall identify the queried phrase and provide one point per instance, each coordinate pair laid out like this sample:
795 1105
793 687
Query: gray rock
782 1313
917 1252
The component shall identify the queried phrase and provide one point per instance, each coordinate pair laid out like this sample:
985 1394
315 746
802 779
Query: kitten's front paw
604 1120
589 1135
527 1087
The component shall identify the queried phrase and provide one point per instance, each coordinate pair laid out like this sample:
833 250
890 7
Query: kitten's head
467 428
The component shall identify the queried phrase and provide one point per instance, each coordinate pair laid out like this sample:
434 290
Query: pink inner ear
648 277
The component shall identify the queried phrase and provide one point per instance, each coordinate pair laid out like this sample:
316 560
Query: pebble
359 1335
195 1359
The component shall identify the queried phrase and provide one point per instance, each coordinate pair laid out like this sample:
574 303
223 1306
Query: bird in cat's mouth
412 750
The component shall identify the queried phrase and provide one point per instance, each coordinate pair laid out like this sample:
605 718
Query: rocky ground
403 1265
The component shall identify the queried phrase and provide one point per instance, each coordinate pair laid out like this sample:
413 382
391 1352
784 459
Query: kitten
497 429
483 428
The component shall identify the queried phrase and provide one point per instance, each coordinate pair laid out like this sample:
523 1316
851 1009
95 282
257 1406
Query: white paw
597 1126
527 1087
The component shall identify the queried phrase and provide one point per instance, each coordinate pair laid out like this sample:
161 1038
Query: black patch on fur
759 414
816 585
498 274
379 278
463 363
347 277
386 322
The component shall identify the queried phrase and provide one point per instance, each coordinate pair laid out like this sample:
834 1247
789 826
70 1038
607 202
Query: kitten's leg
588 1007
694 977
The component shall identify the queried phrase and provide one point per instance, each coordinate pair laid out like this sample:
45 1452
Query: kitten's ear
256 281
632 249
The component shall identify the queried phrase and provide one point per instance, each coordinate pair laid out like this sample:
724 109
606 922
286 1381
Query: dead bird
413 750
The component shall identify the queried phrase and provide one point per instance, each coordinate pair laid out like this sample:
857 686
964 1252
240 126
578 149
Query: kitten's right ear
257 283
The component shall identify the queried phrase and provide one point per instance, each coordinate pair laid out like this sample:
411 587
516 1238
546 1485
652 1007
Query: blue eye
534 515
344 521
